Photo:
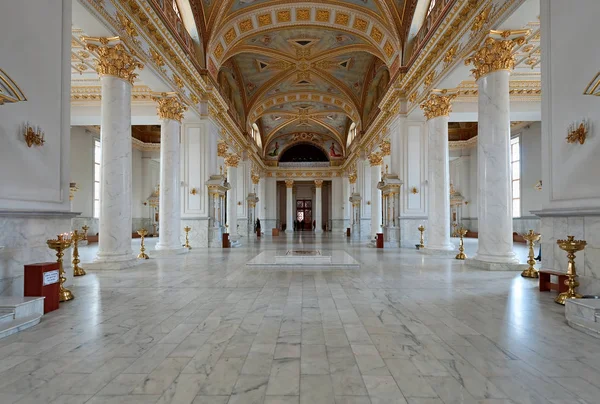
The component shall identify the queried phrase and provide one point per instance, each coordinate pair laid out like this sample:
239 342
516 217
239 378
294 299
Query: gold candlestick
571 246
461 244
455 231
531 272
142 255
422 242
85 229
60 244
77 270
187 240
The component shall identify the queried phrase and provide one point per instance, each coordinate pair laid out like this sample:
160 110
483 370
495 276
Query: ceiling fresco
281 143
238 5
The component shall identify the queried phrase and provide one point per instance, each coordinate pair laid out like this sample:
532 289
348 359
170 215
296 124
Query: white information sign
50 277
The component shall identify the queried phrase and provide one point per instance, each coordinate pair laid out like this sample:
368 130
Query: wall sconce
578 131
414 190
466 202
72 189
538 186
368 202
239 203
193 191
33 136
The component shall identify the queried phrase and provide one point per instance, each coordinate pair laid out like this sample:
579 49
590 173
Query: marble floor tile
205 329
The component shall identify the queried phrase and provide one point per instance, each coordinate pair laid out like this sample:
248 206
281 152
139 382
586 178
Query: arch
334 133
321 157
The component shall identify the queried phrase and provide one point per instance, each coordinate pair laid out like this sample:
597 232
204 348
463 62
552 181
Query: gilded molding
318 183
438 104
255 177
113 60
289 183
496 53
385 147
352 177
170 106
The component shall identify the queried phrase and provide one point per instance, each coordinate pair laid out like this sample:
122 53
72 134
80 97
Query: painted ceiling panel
243 4
256 70
350 68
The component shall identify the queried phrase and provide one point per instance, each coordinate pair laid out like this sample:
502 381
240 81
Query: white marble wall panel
375 201
232 198
414 170
409 231
23 241
520 224
198 236
91 222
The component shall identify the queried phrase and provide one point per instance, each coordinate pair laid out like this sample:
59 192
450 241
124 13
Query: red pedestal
347 231
258 233
42 279
226 242
379 240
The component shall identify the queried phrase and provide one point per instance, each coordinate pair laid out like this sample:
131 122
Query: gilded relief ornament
170 107
255 177
480 20
450 55
375 159
232 160
496 52
386 148
578 132
221 149
113 60
318 183
429 79
126 25
289 183
157 58
352 177
438 104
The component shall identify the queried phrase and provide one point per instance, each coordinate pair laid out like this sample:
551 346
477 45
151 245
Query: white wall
82 170
531 168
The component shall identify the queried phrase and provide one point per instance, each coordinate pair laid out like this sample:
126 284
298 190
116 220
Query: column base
101 263
288 231
495 266
318 231
439 252
166 252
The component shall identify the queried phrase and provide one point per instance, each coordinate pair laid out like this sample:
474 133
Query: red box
42 279
379 240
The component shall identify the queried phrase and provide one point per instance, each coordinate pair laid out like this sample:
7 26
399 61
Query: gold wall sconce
538 186
33 136
239 203
414 190
194 191
578 131
72 189
466 202
368 202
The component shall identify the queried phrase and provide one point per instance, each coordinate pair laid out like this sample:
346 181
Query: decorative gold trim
113 60
497 52
289 183
375 159
170 106
232 160
318 183
14 95
578 132
592 89
438 104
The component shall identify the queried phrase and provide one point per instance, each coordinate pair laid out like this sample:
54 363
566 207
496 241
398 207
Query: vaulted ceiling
303 67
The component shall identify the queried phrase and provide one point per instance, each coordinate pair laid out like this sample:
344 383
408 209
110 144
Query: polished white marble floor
205 329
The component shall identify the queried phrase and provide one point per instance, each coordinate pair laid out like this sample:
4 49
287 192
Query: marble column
116 67
437 110
231 161
493 63
289 206
170 111
376 160
318 206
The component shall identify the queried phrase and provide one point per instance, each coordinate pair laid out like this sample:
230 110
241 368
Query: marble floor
205 329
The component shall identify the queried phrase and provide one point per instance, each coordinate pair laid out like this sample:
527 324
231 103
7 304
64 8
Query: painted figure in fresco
275 151
332 152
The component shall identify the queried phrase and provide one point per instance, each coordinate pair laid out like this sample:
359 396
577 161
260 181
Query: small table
546 284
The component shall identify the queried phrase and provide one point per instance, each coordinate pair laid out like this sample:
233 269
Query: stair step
6 316
22 306
19 324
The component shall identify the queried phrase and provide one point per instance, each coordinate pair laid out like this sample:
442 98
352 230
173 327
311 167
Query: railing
305 164
165 9
432 21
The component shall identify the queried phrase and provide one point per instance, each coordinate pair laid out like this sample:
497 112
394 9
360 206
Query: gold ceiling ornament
113 60
170 106
497 52
222 149
450 55
318 183
386 148
194 98
232 160
480 20
438 104
289 183
429 79
126 25
255 177
178 81
157 58
578 131
413 97
375 159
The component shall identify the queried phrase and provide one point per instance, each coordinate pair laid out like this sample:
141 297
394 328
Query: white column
318 206
376 160
232 161
170 111
289 206
439 185
493 63
493 171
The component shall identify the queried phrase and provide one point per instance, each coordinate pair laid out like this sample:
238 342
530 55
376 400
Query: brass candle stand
142 255
85 231
60 244
455 231
77 270
422 241
187 240
571 246
531 272
461 244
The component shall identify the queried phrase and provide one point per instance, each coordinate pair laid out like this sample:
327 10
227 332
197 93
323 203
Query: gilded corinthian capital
375 159
114 59
232 160
170 106
221 149
438 104
496 53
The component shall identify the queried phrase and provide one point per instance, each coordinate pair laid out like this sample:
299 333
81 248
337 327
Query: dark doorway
304 214
303 153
